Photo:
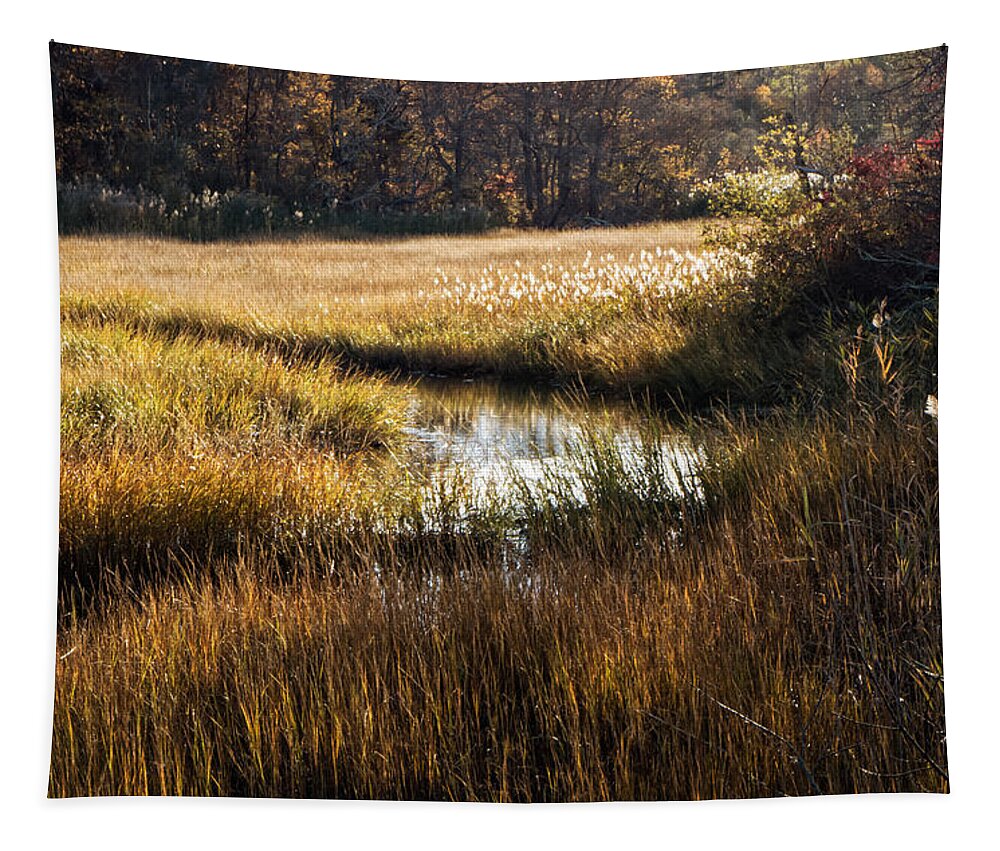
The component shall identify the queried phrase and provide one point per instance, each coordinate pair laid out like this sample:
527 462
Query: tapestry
510 442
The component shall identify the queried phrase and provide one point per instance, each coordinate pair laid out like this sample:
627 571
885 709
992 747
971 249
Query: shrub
872 232
764 194
93 207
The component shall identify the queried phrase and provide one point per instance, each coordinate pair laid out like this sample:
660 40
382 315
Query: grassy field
256 599
637 308
290 280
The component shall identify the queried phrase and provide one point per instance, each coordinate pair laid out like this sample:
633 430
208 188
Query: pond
499 435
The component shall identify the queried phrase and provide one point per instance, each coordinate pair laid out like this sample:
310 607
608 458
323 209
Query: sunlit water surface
501 437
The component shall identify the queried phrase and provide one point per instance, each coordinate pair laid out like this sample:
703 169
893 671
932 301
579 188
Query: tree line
160 135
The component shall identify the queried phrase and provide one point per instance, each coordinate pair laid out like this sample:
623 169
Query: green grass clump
177 447
124 387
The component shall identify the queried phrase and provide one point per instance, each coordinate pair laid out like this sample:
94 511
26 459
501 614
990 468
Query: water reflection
500 436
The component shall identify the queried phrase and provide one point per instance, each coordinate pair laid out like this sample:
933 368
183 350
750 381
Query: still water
499 436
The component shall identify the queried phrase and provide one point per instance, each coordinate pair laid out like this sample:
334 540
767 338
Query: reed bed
639 308
198 446
135 390
776 634
257 598
295 279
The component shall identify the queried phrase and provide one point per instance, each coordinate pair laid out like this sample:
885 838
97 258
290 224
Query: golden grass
201 446
384 304
781 637
256 600
292 280
131 388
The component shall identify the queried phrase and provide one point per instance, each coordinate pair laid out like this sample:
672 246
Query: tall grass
289 279
203 445
777 635
259 599
153 392
655 315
